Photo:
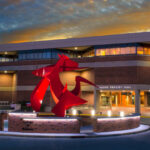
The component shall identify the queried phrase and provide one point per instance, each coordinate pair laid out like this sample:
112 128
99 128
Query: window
90 53
140 51
132 50
116 51
143 50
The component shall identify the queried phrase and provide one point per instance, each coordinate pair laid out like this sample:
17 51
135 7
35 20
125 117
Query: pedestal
30 123
115 124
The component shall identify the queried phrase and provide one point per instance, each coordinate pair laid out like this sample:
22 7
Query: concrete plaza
136 141
125 142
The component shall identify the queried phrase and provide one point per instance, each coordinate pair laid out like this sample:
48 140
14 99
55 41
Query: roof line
73 42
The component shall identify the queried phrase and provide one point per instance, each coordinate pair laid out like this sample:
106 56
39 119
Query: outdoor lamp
74 112
109 113
121 114
93 112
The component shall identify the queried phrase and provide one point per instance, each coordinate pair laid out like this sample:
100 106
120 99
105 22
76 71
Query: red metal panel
63 98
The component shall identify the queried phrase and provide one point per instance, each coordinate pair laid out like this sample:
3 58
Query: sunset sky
35 20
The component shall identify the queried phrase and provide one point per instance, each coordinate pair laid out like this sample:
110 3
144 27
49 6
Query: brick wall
113 124
42 125
122 75
1 123
116 75
3 116
15 121
101 76
79 60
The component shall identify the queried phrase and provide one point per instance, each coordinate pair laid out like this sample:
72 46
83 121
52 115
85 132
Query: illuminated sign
126 87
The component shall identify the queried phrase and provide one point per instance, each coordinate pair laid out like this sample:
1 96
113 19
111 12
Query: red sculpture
63 98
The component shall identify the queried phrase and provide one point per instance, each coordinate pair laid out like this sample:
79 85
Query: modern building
119 65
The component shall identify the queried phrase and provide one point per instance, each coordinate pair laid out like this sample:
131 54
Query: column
145 98
96 99
110 99
116 99
137 101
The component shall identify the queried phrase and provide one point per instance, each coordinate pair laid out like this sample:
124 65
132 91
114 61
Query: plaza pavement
139 141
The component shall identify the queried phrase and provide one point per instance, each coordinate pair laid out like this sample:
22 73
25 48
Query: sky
37 20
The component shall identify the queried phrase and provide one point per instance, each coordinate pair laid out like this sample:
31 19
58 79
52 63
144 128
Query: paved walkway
145 120
140 141
87 133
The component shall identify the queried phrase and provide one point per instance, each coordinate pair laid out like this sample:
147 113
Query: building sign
116 87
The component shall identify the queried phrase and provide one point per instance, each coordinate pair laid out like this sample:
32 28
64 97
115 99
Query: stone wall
115 124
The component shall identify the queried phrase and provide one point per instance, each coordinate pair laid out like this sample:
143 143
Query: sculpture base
139 129
115 124
28 122
3 116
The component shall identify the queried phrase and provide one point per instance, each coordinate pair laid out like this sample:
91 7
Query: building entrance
117 98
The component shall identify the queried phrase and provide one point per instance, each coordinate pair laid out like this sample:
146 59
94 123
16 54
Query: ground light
109 113
74 112
93 112
121 113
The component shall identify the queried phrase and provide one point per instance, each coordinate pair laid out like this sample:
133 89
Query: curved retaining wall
15 122
24 122
115 124
3 116
30 123
1 122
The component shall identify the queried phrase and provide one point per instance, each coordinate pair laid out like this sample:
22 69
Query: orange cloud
80 20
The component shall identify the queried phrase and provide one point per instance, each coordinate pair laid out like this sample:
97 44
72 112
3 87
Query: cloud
35 20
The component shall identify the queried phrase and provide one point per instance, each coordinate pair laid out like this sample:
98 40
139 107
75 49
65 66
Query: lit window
102 52
3 59
132 50
145 50
113 51
107 51
140 51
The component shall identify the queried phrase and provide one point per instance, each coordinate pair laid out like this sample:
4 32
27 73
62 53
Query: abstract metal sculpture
63 98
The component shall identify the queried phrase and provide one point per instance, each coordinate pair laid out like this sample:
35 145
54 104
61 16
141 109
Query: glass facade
128 49
115 51
40 54
143 50
105 50
124 49
117 98
90 53
7 58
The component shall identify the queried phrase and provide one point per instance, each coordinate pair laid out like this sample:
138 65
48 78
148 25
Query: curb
139 129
